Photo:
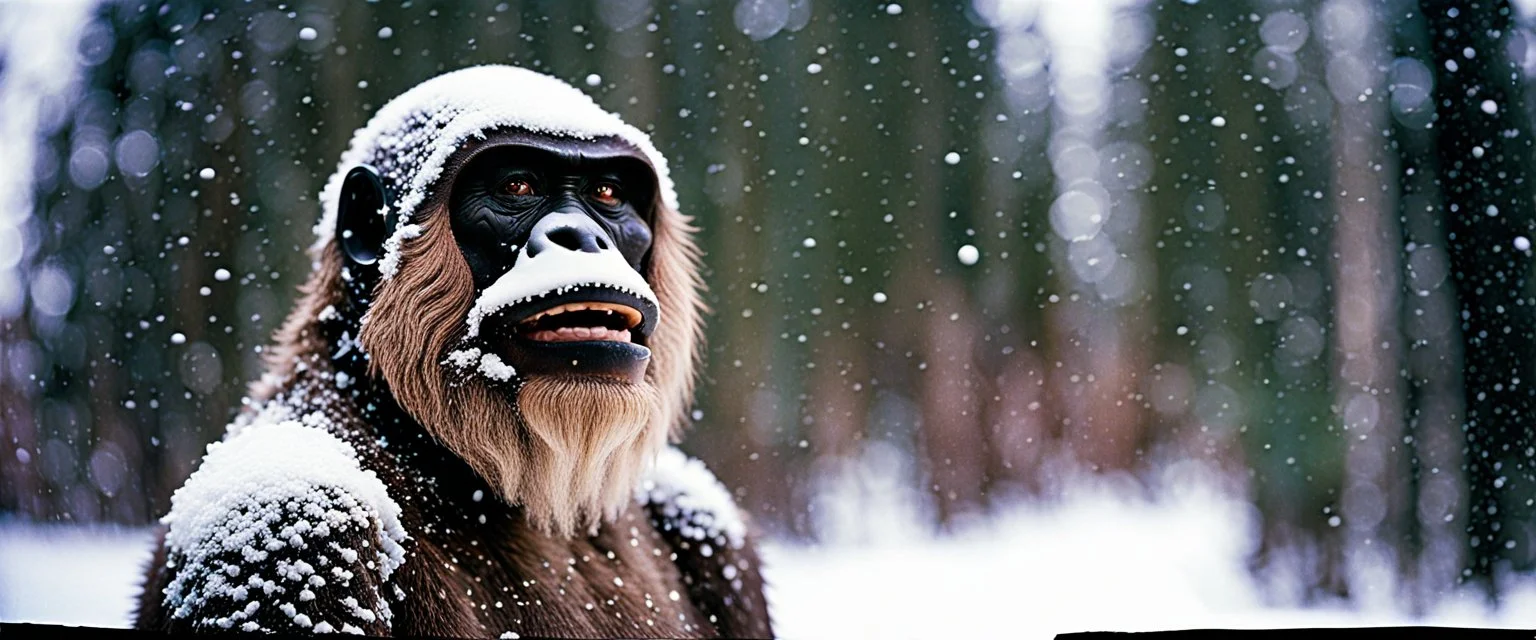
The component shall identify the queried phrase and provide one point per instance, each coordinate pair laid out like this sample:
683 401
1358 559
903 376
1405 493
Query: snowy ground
1094 562
70 575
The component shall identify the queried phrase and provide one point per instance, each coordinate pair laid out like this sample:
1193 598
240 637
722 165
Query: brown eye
606 194
518 188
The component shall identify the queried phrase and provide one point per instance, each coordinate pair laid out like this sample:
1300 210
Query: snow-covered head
412 138
512 261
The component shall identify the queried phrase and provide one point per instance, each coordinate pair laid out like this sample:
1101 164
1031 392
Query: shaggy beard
569 450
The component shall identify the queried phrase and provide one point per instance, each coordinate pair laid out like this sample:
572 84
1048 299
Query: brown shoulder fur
597 565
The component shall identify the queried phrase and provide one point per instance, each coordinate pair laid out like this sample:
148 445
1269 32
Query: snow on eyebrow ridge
411 138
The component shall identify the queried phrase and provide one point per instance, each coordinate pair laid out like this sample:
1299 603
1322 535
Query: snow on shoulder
692 499
411 138
259 516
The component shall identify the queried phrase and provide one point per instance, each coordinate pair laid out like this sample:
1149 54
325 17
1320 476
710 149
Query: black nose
569 231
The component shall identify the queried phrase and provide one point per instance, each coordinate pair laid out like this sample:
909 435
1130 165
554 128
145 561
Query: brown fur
569 450
564 454
518 447
299 339
480 569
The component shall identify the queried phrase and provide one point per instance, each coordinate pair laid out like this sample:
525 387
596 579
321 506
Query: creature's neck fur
312 380
567 452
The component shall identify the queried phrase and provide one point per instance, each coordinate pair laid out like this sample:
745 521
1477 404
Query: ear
360 227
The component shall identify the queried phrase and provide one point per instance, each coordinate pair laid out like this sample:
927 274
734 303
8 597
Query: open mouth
585 330
582 314
588 329
582 321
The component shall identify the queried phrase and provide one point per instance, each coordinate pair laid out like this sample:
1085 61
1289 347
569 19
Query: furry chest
518 583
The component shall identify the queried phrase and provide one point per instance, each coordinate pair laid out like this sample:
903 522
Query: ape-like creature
463 431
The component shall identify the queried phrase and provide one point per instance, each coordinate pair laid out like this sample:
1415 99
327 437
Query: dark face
556 235
506 190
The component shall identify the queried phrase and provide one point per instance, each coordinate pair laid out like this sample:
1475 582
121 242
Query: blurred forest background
959 253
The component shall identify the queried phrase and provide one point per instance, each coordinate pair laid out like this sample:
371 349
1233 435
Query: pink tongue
578 334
